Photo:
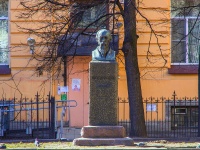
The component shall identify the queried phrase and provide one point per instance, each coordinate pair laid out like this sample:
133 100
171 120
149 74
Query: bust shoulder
110 55
96 56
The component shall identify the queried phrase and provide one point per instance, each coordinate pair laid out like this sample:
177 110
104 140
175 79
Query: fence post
49 100
52 134
32 116
174 99
118 110
37 103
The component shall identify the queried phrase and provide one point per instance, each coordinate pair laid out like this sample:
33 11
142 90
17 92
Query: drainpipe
65 71
199 96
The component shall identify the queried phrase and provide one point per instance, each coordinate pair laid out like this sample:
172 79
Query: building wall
155 79
22 79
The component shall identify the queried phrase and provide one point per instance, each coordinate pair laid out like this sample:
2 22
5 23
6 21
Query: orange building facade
160 76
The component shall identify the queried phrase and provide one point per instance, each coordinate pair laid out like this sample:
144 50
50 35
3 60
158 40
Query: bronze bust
103 52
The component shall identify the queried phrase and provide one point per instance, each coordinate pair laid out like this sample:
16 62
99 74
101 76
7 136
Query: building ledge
4 69
183 69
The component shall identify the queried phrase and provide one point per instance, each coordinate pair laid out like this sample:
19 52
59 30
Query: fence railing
27 118
20 118
175 117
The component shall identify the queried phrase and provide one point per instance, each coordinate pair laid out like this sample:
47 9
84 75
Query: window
92 14
88 16
185 31
184 117
3 32
180 110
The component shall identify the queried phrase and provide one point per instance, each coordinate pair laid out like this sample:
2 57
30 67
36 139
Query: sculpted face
103 38
103 52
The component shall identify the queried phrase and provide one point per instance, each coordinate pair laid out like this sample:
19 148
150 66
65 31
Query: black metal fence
172 117
30 118
27 118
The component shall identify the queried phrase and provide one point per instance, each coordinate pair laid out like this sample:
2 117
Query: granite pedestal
103 93
103 129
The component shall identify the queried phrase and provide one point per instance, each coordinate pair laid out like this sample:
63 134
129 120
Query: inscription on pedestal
103 93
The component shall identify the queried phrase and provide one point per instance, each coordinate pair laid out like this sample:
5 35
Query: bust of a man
103 52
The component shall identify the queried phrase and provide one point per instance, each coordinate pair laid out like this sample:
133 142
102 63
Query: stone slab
69 133
103 93
103 141
103 132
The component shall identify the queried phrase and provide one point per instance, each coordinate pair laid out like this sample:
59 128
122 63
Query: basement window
184 116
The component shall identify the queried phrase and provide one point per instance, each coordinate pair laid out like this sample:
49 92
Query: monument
103 128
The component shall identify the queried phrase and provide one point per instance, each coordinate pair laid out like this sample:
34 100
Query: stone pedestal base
103 135
103 132
103 141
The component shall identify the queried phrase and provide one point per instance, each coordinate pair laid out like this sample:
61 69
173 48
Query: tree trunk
138 127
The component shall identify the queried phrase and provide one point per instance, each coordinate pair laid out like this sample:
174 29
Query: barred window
3 32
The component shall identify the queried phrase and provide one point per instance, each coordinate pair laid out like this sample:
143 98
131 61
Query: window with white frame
3 32
185 31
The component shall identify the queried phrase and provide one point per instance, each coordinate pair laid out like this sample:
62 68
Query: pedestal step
103 141
103 132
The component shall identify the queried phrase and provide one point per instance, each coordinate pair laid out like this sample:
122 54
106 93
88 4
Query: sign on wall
151 107
62 89
76 84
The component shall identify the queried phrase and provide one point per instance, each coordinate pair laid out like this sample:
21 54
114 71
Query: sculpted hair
99 33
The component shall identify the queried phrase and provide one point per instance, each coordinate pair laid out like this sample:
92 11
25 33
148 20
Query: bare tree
63 23
132 70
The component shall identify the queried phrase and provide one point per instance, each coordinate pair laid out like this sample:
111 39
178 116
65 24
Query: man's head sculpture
103 38
103 51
